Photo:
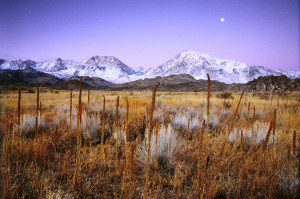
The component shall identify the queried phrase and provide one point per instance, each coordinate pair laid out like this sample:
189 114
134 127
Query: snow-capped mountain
113 70
107 67
229 71
17 64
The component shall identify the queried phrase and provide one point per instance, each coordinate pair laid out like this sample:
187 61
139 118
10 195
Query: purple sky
148 32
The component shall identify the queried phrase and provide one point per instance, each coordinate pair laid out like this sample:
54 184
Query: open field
199 147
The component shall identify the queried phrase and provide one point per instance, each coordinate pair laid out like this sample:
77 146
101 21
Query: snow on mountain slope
106 67
113 70
198 65
17 64
291 73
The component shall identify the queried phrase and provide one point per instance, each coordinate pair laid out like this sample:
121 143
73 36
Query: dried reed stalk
199 184
19 109
41 108
86 126
127 121
242 135
87 118
188 130
294 165
103 121
274 125
116 147
117 113
69 137
116 168
208 104
260 153
127 151
89 92
253 116
71 95
155 155
289 165
237 108
37 109
19 115
132 147
208 115
77 166
232 122
267 137
149 139
248 116
36 122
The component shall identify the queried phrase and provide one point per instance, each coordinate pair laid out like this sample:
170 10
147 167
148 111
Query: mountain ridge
113 70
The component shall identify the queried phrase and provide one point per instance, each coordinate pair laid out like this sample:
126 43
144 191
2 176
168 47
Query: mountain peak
103 58
191 53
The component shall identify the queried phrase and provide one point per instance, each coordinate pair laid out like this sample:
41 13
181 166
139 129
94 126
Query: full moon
222 19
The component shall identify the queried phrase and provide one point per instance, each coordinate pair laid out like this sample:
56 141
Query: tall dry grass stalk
294 165
208 104
37 109
127 121
274 125
242 135
131 163
117 113
155 153
41 108
19 119
253 116
260 153
149 139
70 116
19 108
89 93
207 125
238 105
116 168
232 122
69 139
126 171
116 147
248 115
267 137
87 118
199 184
188 130
36 122
77 179
103 121
289 166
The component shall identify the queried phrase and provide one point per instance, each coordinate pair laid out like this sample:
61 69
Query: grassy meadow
221 146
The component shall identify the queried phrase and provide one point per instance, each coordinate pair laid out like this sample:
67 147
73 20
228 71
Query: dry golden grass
257 136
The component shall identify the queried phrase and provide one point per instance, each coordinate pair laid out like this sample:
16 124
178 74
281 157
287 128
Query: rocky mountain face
27 75
179 83
92 81
111 69
274 83
31 77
